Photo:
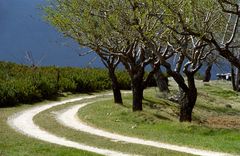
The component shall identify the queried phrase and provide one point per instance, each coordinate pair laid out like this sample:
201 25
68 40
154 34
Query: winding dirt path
70 119
23 123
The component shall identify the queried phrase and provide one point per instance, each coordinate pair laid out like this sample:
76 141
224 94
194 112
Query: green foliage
124 79
103 23
22 84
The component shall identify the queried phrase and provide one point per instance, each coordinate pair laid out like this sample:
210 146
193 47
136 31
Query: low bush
23 84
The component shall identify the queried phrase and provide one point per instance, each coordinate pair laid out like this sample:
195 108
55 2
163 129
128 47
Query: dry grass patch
230 122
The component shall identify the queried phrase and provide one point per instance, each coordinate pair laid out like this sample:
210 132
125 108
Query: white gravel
23 122
69 118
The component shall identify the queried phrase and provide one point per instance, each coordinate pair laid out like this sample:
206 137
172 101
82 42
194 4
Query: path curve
70 119
23 122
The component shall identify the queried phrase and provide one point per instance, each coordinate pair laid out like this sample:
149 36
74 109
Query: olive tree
109 28
207 20
70 18
173 38
191 55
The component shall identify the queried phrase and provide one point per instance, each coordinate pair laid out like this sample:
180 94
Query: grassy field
16 144
215 126
54 127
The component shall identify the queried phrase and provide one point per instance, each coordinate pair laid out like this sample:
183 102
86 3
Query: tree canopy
143 32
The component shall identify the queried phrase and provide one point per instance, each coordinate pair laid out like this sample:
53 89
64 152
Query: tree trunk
187 104
188 100
208 74
117 95
233 78
115 87
237 76
161 81
227 54
237 79
178 70
137 90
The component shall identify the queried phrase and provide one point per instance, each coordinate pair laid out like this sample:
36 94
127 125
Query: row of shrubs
23 84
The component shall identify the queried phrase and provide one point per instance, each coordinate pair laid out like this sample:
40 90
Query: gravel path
69 118
23 122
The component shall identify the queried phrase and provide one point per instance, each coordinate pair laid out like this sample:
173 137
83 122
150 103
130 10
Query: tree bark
188 100
178 70
115 86
137 90
188 95
233 78
187 103
237 76
227 54
161 81
208 74
237 79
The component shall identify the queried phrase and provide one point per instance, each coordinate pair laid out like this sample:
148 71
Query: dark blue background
22 29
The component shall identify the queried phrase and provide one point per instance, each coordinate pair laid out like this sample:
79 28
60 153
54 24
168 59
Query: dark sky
23 29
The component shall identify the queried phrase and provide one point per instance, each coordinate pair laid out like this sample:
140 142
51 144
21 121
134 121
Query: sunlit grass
159 120
13 143
54 127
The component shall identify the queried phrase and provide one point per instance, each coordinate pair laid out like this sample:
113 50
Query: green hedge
23 84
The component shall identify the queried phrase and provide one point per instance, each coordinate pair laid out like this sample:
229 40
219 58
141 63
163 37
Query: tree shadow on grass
161 117
154 104
229 111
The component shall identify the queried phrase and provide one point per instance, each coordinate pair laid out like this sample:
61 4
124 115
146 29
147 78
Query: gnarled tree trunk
233 78
237 76
115 86
161 81
208 74
111 64
187 103
188 100
137 90
237 80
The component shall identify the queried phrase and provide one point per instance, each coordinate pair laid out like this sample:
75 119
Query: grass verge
52 126
159 120
13 143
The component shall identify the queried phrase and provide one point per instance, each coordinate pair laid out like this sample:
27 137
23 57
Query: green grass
159 120
53 126
13 143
